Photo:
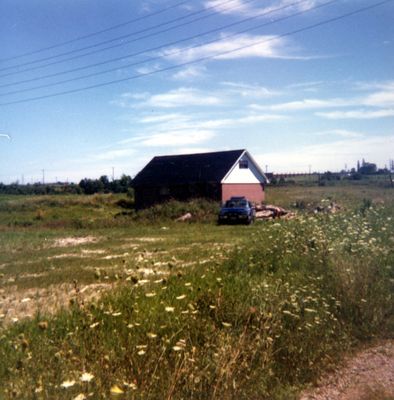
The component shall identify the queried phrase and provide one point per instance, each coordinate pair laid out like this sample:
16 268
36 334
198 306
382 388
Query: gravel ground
367 375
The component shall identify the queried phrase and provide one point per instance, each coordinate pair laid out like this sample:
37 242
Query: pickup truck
237 210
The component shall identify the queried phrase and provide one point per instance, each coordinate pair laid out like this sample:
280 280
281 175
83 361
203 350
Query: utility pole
43 176
113 174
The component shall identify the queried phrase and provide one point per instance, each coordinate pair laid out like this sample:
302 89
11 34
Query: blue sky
285 79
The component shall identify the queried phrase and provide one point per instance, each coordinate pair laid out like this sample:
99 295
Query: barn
217 176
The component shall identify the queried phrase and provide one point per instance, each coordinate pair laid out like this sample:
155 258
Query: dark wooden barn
216 176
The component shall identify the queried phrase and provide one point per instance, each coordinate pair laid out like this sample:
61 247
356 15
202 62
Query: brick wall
252 191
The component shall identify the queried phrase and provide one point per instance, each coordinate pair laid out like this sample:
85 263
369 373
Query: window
243 164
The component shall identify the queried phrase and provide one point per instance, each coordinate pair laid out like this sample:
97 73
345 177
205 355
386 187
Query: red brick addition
252 191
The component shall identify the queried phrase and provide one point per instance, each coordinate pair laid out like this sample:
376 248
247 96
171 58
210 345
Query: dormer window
243 164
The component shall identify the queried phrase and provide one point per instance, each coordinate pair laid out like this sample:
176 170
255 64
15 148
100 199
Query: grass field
97 300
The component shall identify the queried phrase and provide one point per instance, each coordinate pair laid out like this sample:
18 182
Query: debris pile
270 211
183 218
332 208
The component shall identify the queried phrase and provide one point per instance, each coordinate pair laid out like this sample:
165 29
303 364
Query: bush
201 210
125 203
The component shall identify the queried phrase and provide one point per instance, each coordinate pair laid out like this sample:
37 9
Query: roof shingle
187 168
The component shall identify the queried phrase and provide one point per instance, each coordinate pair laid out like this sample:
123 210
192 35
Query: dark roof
186 168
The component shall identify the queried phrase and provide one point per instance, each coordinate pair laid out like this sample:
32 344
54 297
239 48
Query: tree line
85 186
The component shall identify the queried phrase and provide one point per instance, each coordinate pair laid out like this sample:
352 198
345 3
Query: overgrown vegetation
85 186
94 212
201 210
264 314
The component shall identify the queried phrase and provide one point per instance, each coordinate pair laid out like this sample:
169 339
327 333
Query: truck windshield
236 203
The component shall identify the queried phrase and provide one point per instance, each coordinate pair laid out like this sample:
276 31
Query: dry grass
198 310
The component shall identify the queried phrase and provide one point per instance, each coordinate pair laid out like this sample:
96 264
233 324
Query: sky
92 87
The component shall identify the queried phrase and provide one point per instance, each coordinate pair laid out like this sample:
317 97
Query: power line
161 47
131 21
172 67
123 43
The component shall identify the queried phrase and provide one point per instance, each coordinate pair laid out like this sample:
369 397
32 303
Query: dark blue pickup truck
237 210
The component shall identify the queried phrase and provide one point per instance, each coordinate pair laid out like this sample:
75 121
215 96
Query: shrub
201 210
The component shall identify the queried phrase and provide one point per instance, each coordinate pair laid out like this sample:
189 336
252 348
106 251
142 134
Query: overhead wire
201 59
123 43
89 35
173 43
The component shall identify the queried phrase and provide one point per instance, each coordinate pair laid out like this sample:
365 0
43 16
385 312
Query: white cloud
374 85
306 85
148 70
306 104
383 98
248 90
236 121
114 154
242 7
162 118
251 119
229 48
192 150
190 72
340 132
177 138
378 99
160 124
357 114
125 99
382 95
181 97
329 156
237 6
135 96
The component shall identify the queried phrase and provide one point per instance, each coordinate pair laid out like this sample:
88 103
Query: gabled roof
260 174
186 168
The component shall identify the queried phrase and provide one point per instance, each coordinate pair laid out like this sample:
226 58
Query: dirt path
367 375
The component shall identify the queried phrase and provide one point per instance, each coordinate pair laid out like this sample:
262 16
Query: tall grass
258 326
94 212
201 210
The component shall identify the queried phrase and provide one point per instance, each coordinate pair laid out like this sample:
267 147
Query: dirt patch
112 256
366 375
84 251
74 241
149 239
83 254
66 255
144 239
151 271
130 246
16 305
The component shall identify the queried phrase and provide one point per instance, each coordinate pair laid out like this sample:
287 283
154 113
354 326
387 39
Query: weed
199 311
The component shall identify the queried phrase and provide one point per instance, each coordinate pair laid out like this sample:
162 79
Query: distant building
366 168
216 176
